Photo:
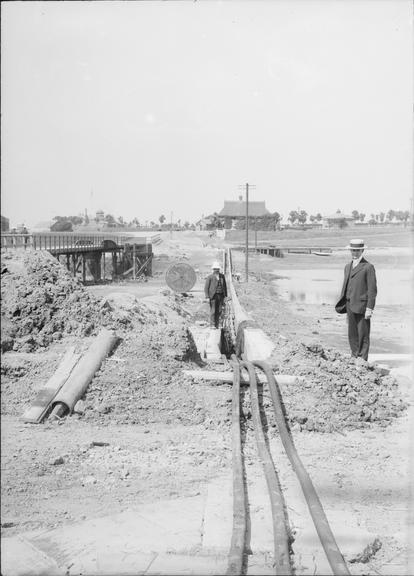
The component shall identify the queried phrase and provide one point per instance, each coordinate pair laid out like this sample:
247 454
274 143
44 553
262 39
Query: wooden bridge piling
85 255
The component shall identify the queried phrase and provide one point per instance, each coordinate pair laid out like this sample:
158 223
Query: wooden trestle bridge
96 257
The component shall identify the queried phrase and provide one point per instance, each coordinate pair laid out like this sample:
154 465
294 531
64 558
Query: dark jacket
362 286
211 285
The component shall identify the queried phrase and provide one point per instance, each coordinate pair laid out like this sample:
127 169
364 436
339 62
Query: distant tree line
381 217
300 216
268 222
66 223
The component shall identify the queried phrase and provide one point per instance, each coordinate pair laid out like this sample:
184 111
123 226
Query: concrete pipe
79 380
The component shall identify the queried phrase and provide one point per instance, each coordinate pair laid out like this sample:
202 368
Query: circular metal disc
180 277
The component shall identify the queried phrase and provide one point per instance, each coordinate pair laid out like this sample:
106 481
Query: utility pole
247 185
255 233
171 219
247 232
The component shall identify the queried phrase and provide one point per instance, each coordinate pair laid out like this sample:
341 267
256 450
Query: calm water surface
323 286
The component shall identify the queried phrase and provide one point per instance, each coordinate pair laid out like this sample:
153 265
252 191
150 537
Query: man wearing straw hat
215 290
357 300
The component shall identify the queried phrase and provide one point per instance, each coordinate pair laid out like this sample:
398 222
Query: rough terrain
145 432
155 420
338 392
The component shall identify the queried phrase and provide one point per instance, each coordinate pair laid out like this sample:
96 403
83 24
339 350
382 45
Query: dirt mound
143 383
21 376
42 302
337 392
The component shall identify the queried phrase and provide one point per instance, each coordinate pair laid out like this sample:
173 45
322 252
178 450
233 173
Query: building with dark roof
237 209
337 220
234 210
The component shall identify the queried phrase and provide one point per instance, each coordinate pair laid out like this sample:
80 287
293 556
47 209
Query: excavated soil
337 392
158 434
144 431
42 303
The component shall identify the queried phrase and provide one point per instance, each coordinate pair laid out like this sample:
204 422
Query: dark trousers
216 306
358 334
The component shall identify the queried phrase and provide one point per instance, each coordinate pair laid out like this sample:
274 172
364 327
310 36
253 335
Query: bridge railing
16 240
60 242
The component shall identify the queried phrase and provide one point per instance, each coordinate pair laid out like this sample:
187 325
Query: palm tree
302 216
293 216
390 215
110 220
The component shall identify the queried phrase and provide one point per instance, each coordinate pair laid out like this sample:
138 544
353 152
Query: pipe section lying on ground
44 398
280 534
238 537
333 554
228 377
77 383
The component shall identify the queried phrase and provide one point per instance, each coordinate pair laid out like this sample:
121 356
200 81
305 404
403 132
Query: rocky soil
156 432
140 383
338 392
42 302
144 431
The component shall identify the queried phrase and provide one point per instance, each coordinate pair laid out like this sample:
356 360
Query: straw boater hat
215 266
356 244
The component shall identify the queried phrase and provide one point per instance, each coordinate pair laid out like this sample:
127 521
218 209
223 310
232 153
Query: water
323 286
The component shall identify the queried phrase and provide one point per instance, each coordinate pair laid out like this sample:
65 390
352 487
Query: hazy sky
143 108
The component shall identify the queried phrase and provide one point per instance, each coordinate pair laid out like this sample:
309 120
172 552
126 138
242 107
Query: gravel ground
144 431
164 435
338 392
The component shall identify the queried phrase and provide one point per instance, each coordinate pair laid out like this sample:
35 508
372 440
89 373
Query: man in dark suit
358 295
215 290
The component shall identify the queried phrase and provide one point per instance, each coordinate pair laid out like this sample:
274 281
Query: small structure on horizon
234 210
337 220
100 216
206 223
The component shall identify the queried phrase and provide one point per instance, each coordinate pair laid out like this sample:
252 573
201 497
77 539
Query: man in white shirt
215 289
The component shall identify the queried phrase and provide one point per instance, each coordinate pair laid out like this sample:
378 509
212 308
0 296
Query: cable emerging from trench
238 538
280 534
326 537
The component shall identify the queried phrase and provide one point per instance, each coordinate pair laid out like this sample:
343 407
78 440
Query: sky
148 108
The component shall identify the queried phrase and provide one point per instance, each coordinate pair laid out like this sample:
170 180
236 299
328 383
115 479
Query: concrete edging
250 339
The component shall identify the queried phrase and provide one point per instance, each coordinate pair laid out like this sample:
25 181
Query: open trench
237 345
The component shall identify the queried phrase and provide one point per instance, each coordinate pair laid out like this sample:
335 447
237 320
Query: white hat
356 244
215 265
